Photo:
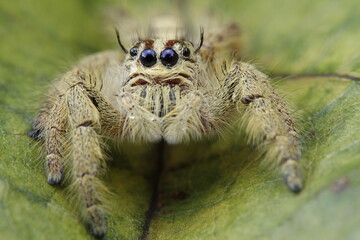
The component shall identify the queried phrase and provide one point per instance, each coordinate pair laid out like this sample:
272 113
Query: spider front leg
81 113
267 120
54 136
86 156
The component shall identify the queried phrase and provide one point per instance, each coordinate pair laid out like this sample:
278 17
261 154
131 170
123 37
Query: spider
161 88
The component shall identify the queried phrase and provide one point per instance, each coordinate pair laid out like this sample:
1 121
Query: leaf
214 189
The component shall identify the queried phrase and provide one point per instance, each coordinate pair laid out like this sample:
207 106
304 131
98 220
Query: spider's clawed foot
291 175
97 221
53 169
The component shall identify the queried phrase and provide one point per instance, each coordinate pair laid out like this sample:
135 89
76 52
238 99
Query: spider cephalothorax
162 89
157 75
161 61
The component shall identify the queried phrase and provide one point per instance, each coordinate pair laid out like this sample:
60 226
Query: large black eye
186 52
148 57
133 52
169 57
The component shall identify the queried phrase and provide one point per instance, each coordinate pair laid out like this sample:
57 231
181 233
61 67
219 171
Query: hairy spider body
164 88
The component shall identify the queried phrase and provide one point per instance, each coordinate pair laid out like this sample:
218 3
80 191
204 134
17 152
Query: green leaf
214 189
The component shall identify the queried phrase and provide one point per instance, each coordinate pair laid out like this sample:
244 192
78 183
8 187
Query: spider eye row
168 56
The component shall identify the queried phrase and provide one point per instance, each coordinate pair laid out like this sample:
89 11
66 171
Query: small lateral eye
186 52
133 52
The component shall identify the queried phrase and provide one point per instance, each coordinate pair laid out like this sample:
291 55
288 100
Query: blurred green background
215 189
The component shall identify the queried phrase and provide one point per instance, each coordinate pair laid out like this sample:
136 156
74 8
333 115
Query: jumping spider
163 89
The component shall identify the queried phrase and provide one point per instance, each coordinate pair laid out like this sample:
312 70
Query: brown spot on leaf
164 199
178 195
340 185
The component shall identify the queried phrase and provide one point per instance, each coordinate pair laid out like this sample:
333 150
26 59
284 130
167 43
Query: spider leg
86 158
71 125
55 141
79 114
72 122
267 120
226 40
